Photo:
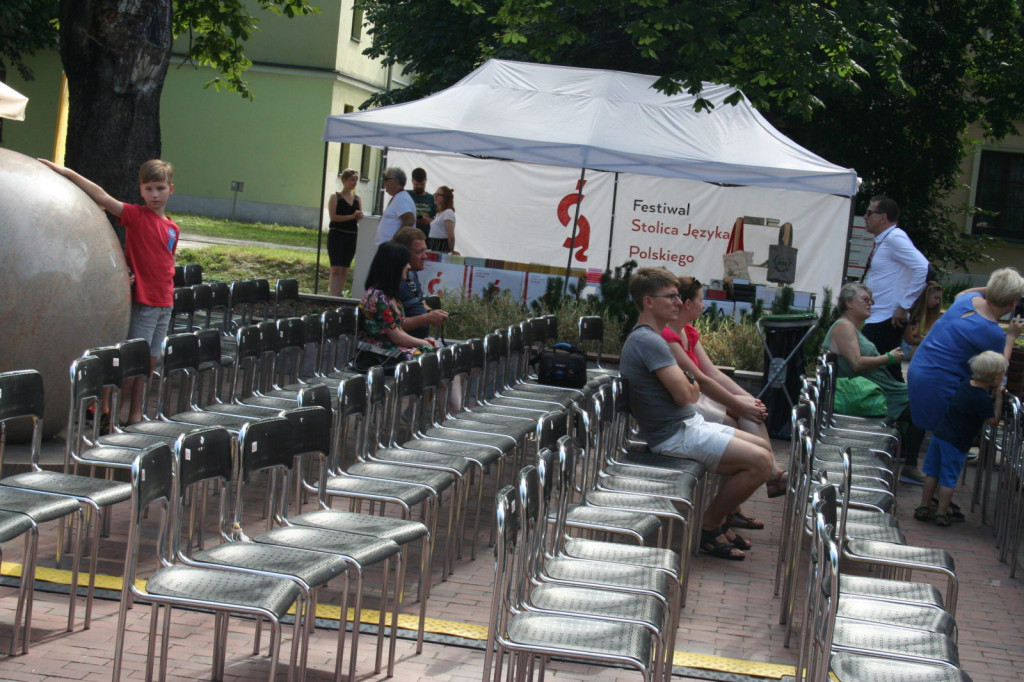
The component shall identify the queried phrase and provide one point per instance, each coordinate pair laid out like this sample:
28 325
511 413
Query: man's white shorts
698 440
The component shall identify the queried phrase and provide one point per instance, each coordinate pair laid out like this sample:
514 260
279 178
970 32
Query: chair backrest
351 409
180 355
381 405
291 348
204 455
192 273
263 446
286 297
220 302
183 312
21 397
550 428
179 275
313 358
341 330
408 394
506 566
591 332
202 296
242 298
153 480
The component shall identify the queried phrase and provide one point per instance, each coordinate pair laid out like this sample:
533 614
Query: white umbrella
12 103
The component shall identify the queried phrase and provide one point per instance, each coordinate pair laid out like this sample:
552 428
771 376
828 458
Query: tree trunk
115 54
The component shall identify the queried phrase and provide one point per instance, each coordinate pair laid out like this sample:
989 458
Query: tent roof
12 103
602 120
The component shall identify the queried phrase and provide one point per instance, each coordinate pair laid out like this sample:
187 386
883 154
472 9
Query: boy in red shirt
151 239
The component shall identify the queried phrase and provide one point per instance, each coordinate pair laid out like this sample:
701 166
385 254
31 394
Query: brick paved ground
731 614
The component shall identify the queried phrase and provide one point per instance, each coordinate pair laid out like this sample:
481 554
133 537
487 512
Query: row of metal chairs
1008 503
589 601
854 626
229 305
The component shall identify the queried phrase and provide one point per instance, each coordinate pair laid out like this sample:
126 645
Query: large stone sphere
63 279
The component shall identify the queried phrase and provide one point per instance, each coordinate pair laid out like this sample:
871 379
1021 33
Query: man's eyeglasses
871 210
673 297
386 178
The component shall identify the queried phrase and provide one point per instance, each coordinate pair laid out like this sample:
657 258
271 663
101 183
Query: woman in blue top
970 326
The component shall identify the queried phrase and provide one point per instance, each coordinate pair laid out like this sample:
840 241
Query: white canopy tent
12 103
720 165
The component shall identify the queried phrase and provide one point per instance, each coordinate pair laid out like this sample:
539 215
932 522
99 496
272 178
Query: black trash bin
783 337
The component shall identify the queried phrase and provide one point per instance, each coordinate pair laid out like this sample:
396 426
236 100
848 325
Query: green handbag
860 397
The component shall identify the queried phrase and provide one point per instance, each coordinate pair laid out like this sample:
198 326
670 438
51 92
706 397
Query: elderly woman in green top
859 357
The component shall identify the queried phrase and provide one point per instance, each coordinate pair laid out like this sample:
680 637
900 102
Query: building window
348 151
364 163
1000 195
357 24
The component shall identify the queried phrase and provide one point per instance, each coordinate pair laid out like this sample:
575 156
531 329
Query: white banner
524 212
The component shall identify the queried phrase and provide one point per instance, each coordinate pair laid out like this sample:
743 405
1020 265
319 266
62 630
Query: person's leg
745 465
151 324
336 283
951 466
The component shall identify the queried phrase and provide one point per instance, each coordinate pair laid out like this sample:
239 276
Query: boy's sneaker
912 475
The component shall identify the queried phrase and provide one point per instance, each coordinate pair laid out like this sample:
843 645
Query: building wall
1005 253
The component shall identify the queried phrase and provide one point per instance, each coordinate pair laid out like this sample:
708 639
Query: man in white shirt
896 274
401 210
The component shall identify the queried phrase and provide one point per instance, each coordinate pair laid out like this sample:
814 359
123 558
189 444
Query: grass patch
284 235
228 263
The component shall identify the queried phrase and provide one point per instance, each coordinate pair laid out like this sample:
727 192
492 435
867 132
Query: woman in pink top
722 400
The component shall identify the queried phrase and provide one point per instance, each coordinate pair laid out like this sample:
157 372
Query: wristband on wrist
892 360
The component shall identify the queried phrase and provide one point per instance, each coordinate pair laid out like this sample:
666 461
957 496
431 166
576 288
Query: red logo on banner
582 241
434 285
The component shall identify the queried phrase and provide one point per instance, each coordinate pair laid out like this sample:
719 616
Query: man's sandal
943 520
924 513
776 486
710 544
741 520
737 540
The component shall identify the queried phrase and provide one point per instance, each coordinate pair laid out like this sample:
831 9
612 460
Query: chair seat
109 456
890 590
505 443
314 568
98 490
646 458
651 557
438 480
598 518
580 635
614 500
904 615
13 524
514 427
40 507
380 527
923 557
681 488
481 453
460 464
610 575
275 595
159 428
202 418
410 494
862 668
894 640
136 441
360 548
601 603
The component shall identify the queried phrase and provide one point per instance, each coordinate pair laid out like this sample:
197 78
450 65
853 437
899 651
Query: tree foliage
116 54
887 87
25 27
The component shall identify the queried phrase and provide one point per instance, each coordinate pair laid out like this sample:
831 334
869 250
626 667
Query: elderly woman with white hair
858 357
969 327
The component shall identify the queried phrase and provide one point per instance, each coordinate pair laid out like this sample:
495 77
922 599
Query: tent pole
575 221
611 224
320 231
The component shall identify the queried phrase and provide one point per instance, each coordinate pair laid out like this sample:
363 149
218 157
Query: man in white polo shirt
401 210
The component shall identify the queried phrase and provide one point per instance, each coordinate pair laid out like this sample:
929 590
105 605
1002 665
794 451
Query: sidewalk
728 630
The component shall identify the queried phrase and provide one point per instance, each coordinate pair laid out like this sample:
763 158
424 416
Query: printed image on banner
503 280
537 285
436 277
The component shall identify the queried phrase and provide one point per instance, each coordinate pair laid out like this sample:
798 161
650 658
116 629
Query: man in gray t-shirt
662 397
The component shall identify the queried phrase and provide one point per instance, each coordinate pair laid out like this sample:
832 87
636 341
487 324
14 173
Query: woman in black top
345 210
